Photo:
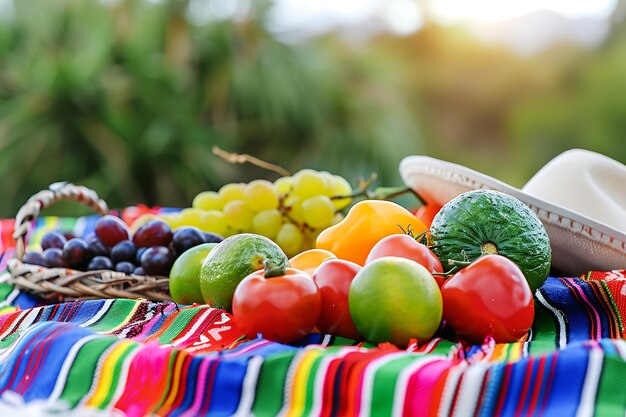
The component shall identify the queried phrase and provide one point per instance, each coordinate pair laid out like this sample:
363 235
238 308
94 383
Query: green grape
173 219
309 183
191 216
318 211
290 239
238 215
340 186
208 200
213 221
143 219
260 195
293 206
230 232
267 223
337 218
283 185
328 181
232 192
310 237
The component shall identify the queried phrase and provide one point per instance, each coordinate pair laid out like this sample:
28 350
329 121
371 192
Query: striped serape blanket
138 358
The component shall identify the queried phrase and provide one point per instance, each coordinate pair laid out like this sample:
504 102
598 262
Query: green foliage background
129 98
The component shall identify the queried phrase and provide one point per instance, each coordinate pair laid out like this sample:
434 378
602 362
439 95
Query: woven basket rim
61 284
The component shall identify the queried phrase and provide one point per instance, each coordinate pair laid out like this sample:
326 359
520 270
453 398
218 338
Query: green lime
185 275
394 300
231 261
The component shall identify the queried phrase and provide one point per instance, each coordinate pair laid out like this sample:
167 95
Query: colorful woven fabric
142 358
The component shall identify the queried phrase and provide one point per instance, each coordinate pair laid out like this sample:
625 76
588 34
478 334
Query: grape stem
379 193
362 191
388 193
237 158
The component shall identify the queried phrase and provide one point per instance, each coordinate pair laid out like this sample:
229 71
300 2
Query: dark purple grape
138 271
123 251
153 233
125 267
34 258
187 237
53 258
68 236
98 248
99 262
54 239
140 252
111 230
171 248
76 253
157 260
212 237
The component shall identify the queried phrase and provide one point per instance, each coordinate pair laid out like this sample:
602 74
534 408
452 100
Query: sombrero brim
579 243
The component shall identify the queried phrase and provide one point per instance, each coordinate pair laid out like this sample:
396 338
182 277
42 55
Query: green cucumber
485 222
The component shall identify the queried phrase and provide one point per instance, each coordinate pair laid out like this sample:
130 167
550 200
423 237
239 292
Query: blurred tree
618 16
585 107
463 91
130 97
485 107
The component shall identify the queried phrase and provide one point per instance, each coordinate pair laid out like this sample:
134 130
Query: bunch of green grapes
292 211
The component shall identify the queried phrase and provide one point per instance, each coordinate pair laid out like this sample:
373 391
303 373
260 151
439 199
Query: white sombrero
580 196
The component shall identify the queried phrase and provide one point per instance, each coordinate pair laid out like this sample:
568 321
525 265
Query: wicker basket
61 284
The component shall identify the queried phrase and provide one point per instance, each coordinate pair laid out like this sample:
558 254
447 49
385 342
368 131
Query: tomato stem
271 270
422 237
451 272
459 264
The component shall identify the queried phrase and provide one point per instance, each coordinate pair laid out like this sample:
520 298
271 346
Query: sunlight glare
403 17
449 11
320 15
7 9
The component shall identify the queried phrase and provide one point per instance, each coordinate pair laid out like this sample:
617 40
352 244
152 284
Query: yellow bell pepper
367 222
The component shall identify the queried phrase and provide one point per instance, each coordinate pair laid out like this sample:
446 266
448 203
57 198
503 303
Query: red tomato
427 213
333 278
283 308
404 246
490 297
